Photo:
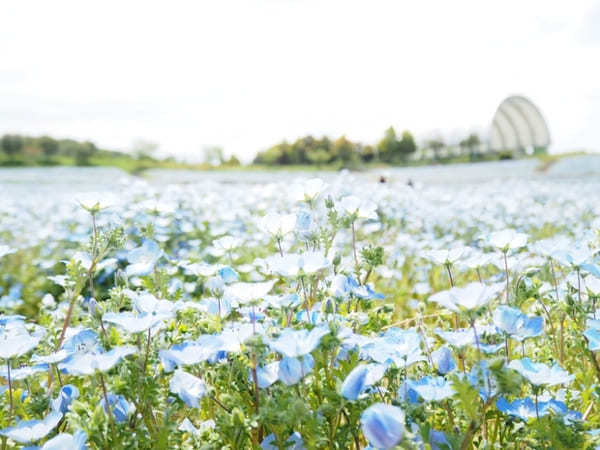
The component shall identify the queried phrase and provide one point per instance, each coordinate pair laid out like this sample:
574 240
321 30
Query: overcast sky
247 74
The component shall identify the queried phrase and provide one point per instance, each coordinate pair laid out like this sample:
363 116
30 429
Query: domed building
518 126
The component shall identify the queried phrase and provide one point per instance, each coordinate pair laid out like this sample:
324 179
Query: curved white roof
518 124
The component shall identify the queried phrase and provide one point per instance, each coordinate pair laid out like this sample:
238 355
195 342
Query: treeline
310 150
390 149
17 148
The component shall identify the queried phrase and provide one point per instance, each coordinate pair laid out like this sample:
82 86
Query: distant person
410 183
382 179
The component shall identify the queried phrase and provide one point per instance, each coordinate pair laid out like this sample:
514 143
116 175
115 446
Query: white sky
247 74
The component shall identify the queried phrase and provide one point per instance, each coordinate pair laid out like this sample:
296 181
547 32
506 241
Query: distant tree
84 153
319 156
470 144
387 147
344 150
407 145
233 161
436 145
143 149
11 144
367 153
49 146
213 155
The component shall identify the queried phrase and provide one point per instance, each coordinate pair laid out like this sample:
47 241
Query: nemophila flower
121 409
278 225
294 442
282 301
308 190
189 388
143 259
267 375
593 337
6 250
294 343
82 341
146 303
226 244
189 353
294 265
15 340
88 363
539 374
66 395
28 431
188 427
292 370
525 409
247 292
306 225
575 255
516 324
22 372
443 361
472 296
446 256
508 239
66 441
228 275
383 425
355 207
401 347
482 379
360 378
135 323
432 389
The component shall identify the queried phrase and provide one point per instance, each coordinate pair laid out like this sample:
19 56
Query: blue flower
438 440
523 408
294 442
267 375
189 388
442 358
32 430
472 296
88 363
294 343
143 259
516 324
360 378
593 337
119 406
383 425
292 370
540 374
66 441
228 275
85 341
432 389
135 323
66 395
401 347
192 352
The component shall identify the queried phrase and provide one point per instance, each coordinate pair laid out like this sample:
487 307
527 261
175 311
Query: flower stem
507 277
10 392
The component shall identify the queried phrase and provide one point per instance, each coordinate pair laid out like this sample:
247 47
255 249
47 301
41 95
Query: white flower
507 239
278 225
352 205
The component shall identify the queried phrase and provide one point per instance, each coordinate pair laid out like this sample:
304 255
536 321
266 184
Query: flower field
300 312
